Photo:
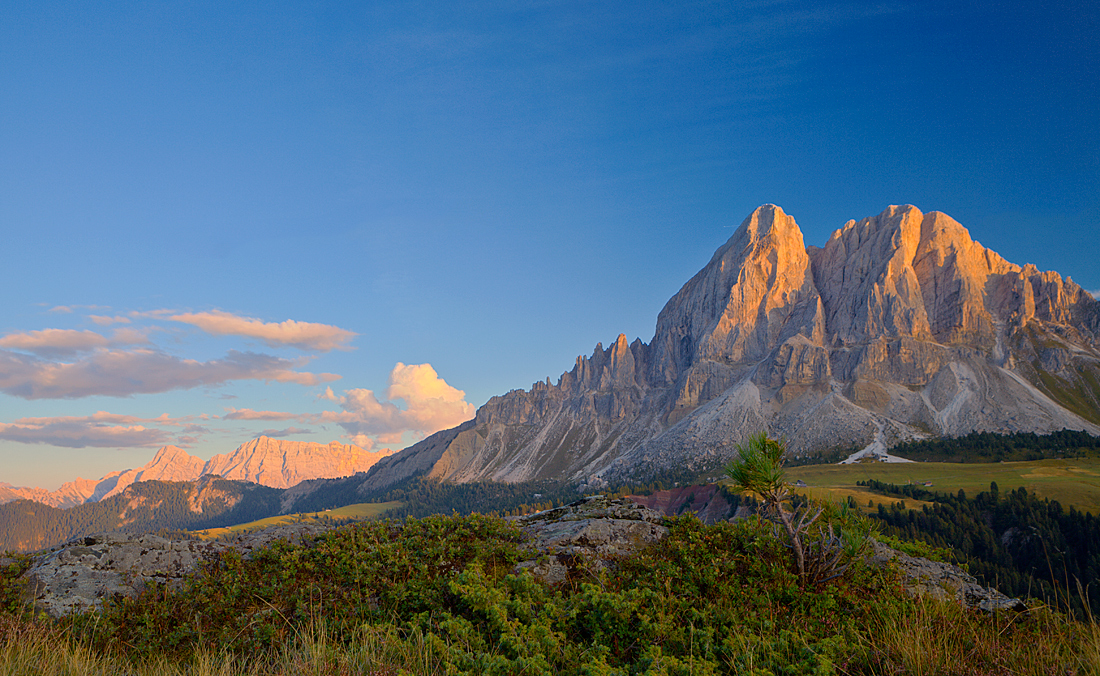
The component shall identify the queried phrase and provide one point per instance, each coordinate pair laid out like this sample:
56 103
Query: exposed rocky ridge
900 327
276 463
943 581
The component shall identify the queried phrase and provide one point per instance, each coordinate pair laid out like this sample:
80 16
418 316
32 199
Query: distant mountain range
901 327
275 463
141 507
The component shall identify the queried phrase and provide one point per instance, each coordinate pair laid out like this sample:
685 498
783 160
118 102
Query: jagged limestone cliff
901 326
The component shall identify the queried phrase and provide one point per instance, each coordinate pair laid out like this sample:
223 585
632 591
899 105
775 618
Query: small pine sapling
759 469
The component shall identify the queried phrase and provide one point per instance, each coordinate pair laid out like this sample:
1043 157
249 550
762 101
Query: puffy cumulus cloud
122 373
288 432
54 342
302 335
430 405
99 430
249 414
362 441
1095 294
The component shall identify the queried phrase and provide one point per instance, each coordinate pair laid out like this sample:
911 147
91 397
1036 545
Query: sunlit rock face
901 326
281 464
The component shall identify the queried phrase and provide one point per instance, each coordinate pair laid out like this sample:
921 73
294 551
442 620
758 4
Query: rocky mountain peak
756 292
901 326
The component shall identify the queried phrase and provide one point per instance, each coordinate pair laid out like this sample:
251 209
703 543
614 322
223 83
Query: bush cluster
707 600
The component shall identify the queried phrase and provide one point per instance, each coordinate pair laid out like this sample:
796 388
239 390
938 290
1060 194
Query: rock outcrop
900 327
943 581
81 575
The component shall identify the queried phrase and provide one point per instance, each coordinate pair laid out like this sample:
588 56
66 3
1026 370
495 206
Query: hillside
142 507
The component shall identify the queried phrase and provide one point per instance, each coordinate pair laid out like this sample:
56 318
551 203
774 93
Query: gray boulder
80 575
923 577
596 529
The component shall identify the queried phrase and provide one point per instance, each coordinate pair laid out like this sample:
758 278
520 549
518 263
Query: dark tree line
1014 541
991 447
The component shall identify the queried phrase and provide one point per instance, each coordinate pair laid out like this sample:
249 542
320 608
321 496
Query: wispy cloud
53 343
103 320
1095 294
99 430
249 414
302 335
288 432
430 405
122 373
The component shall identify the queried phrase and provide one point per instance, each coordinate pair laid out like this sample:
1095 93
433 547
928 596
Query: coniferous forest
1019 543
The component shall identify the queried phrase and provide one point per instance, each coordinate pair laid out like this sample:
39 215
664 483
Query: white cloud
430 405
1095 294
302 335
122 373
55 343
362 441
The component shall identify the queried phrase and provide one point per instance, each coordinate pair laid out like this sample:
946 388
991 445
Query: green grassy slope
358 512
1070 482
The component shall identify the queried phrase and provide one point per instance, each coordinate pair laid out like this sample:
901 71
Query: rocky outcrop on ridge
595 529
899 327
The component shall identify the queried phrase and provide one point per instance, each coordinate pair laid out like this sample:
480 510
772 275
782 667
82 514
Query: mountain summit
900 327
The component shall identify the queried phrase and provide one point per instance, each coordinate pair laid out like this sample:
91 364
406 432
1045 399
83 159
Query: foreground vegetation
441 595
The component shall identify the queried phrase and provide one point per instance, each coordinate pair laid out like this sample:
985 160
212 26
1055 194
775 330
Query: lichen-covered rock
597 529
81 574
923 577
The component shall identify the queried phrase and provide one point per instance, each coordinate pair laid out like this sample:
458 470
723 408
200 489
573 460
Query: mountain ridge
900 327
275 463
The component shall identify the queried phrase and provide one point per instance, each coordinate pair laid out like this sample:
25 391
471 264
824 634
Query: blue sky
222 219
